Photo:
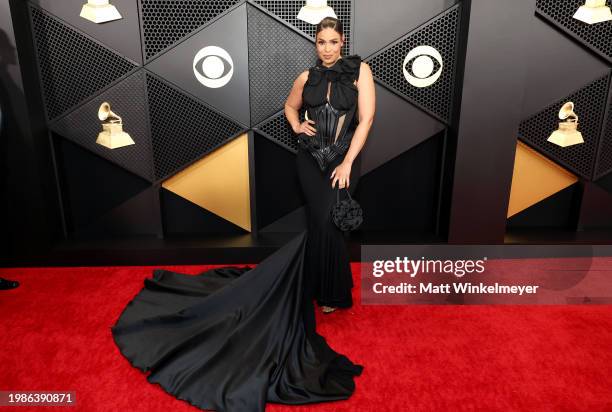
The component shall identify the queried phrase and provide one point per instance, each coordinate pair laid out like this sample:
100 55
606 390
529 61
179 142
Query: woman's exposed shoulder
302 78
364 68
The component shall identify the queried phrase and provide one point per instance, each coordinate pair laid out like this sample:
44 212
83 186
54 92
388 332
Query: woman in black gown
234 338
335 96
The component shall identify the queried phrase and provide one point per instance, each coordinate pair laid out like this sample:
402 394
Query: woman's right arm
293 105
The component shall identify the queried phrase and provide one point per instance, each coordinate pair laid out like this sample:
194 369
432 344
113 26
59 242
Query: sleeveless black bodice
335 118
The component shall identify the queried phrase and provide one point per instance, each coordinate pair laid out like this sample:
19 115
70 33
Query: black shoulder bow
350 64
345 68
341 74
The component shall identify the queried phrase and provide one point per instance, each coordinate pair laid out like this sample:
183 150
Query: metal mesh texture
589 104
127 100
288 11
442 34
604 162
278 129
166 22
272 71
72 66
183 129
561 12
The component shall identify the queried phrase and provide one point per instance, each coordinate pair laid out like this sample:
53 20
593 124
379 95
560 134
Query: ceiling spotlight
99 11
112 134
567 134
315 10
594 11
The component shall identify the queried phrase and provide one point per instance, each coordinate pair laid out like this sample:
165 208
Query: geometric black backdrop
174 122
141 64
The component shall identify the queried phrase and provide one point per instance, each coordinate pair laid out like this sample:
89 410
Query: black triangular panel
589 105
229 33
72 66
441 33
556 211
394 20
272 70
595 36
398 127
277 129
276 180
136 216
166 22
604 155
549 51
595 208
122 35
288 11
183 129
605 182
91 185
294 221
401 195
182 217
127 99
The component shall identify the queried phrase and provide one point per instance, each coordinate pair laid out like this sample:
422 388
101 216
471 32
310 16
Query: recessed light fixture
315 10
100 11
594 11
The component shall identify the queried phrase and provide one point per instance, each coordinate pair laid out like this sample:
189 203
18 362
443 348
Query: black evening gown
235 338
327 258
330 99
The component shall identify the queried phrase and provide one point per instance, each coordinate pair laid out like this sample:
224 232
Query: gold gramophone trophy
112 134
567 134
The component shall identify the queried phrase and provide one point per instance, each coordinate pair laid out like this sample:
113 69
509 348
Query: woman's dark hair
332 23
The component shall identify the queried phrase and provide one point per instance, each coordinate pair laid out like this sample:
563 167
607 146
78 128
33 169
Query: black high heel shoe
328 309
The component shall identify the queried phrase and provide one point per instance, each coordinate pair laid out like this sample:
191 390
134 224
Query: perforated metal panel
604 163
166 22
127 99
442 34
288 11
122 35
176 65
560 12
72 66
272 71
278 129
589 104
183 129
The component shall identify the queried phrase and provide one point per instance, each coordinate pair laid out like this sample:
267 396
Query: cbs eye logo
422 61
213 66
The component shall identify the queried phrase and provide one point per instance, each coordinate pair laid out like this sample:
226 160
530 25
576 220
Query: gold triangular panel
535 178
219 182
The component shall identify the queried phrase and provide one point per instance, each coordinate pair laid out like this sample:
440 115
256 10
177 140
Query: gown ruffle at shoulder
234 338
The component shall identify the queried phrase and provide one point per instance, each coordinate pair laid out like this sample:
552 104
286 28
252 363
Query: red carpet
55 335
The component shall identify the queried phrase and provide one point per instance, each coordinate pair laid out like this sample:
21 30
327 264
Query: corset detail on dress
334 133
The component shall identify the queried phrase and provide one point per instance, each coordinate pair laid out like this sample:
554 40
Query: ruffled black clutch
347 214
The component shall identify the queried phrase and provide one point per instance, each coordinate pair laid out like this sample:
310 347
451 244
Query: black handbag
347 214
